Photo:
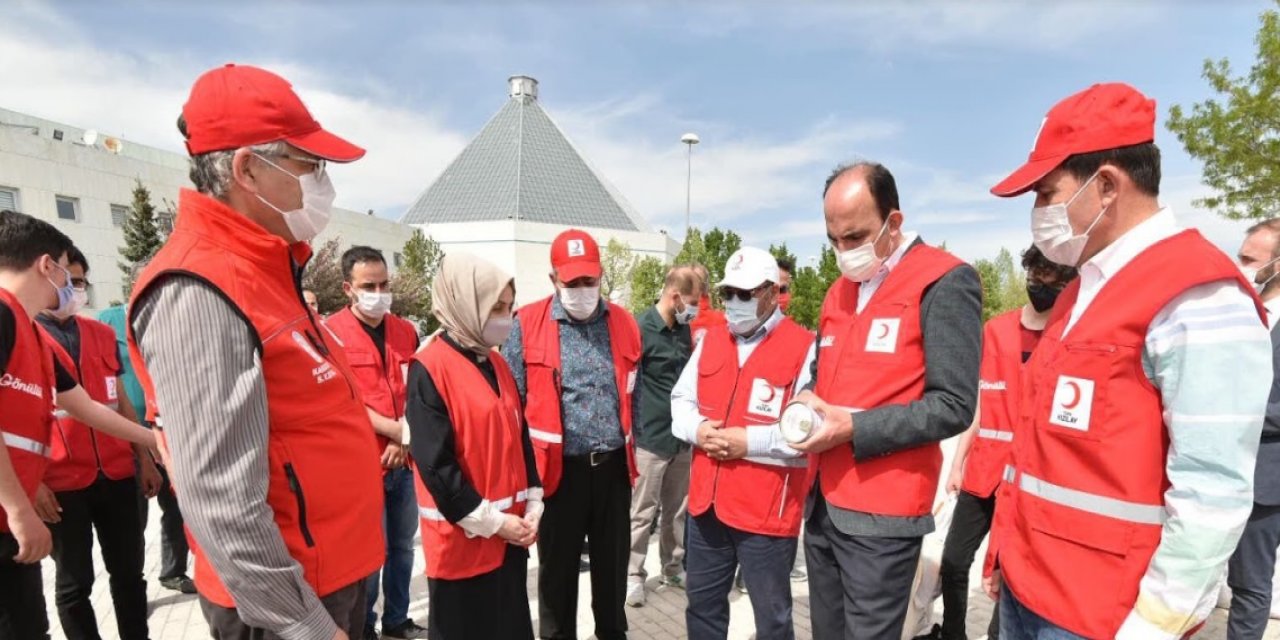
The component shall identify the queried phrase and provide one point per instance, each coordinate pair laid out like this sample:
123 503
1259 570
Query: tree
1003 284
809 287
693 251
616 262
781 253
324 276
411 286
1238 139
720 245
646 283
142 237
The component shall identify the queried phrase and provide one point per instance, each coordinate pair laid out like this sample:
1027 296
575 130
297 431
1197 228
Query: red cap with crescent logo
1104 116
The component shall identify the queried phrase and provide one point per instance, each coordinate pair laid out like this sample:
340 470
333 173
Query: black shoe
181 584
370 634
407 631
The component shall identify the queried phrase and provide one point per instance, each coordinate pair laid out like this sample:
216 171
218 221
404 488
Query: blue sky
947 95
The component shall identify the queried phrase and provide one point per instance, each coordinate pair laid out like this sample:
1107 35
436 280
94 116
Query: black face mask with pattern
1042 296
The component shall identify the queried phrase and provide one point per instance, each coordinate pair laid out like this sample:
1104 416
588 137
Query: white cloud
62 78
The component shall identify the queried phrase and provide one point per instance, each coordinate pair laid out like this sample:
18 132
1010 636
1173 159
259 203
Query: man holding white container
746 487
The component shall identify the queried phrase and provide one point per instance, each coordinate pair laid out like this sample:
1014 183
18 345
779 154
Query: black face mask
1042 296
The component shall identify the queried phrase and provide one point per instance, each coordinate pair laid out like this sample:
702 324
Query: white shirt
762 440
1273 309
870 287
1102 267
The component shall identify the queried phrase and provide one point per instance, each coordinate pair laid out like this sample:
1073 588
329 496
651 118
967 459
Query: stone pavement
177 617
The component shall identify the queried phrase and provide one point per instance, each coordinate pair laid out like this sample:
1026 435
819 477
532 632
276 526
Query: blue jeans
399 523
1020 623
715 550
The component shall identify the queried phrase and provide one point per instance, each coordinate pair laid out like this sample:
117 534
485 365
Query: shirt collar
1124 249
908 238
559 314
1273 309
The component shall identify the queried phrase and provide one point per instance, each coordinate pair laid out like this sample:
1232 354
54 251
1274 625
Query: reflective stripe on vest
546 436
800 462
62 414
996 434
1135 512
501 504
21 443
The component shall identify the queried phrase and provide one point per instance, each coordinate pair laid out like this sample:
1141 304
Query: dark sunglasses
786 288
743 295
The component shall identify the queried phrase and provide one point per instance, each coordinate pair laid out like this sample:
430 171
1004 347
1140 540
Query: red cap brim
575 270
322 144
1026 176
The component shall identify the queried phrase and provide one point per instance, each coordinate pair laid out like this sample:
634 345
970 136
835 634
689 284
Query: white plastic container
798 422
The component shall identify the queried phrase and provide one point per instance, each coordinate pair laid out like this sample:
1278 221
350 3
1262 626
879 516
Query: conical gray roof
521 166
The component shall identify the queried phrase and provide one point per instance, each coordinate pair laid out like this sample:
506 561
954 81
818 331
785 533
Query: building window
68 208
8 199
164 220
119 214
398 259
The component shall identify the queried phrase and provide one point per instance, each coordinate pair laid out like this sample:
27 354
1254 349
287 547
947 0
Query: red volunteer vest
757 495
79 452
325 485
401 336
872 359
543 391
706 319
27 389
998 393
379 379
1080 513
487 441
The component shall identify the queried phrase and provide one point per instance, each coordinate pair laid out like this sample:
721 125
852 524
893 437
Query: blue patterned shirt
589 404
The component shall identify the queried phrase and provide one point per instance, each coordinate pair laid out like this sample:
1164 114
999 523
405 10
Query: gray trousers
346 606
1249 574
662 486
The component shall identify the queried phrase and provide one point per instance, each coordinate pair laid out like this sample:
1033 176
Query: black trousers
109 508
491 606
969 525
859 586
22 612
592 502
1249 574
173 538
346 606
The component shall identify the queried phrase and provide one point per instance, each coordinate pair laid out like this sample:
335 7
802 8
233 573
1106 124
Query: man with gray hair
268 443
1252 566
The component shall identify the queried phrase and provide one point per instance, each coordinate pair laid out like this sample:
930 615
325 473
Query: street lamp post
689 139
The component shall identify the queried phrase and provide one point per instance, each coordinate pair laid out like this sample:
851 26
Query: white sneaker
635 594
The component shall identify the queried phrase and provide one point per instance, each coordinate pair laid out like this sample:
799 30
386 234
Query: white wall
523 249
41 168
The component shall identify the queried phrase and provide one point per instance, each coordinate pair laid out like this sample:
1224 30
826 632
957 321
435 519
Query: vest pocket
296 488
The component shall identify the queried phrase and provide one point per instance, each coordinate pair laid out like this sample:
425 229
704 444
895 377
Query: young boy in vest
746 487
982 452
34 278
899 342
1131 476
90 483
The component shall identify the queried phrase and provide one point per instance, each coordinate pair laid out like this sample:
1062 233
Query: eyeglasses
743 295
319 164
81 283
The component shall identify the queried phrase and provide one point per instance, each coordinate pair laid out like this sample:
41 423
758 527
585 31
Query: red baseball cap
575 254
237 106
1104 116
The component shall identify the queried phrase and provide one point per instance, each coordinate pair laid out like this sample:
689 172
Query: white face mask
860 263
317 204
1251 274
686 315
581 302
496 329
373 305
66 294
1051 230
79 300
742 316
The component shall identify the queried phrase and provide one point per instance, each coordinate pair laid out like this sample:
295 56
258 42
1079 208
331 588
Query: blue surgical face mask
742 316
66 293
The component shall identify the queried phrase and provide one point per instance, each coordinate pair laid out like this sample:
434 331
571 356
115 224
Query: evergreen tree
142 237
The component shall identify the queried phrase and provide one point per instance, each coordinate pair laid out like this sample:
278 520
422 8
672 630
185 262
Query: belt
595 458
